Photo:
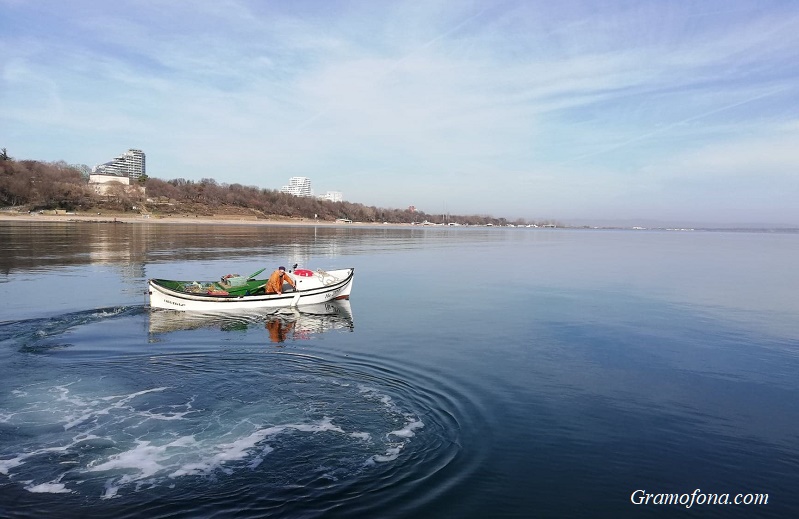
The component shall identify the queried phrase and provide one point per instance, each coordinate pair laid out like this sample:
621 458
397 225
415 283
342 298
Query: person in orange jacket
275 283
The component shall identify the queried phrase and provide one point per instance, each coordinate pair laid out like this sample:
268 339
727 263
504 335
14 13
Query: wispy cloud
530 109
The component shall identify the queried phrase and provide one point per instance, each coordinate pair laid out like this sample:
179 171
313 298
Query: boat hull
314 288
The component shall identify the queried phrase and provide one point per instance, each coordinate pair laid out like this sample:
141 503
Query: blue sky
594 110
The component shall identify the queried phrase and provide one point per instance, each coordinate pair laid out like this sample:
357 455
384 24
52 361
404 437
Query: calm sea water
476 372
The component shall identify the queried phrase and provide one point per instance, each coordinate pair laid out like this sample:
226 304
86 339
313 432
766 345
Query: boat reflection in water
281 324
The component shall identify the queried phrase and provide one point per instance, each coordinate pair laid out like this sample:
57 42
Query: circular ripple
256 431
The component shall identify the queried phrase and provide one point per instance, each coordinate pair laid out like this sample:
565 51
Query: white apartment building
130 164
298 186
332 196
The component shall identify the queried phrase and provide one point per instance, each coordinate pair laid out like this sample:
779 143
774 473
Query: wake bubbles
85 436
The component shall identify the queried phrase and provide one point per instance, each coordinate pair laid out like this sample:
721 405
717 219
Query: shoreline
114 218
161 220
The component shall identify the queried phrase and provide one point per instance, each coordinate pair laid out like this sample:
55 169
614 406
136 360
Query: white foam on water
127 398
391 454
7 465
90 440
326 424
225 453
186 456
48 488
245 447
141 448
111 489
410 426
406 432
117 402
108 312
374 394
20 460
144 460
395 448
412 423
145 463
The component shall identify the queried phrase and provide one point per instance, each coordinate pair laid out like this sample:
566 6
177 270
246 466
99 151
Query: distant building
114 177
114 185
332 196
130 164
298 186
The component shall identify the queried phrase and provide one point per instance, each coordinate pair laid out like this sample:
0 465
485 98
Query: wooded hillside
31 185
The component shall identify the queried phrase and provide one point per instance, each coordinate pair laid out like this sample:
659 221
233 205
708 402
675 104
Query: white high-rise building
130 164
333 196
298 186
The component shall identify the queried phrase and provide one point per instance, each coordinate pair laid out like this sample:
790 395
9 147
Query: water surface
476 372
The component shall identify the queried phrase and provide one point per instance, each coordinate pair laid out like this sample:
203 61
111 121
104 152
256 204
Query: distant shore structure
298 186
130 164
113 178
332 196
301 186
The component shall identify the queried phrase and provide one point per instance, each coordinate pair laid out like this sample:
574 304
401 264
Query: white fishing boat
233 292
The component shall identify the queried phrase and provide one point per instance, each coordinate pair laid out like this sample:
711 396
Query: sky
647 110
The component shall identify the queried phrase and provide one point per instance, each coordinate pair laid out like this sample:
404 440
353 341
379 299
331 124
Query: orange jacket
279 332
275 283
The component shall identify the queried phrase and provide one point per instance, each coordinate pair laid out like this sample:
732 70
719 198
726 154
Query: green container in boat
236 281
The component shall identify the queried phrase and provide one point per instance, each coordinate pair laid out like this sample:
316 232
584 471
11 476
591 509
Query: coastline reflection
279 324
